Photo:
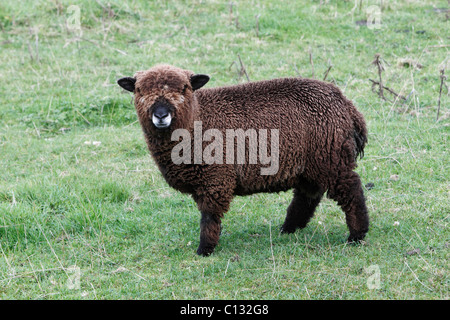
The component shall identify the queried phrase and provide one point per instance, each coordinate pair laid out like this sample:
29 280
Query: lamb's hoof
287 229
205 251
356 238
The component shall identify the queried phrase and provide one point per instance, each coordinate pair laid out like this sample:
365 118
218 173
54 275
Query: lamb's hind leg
300 211
210 227
349 195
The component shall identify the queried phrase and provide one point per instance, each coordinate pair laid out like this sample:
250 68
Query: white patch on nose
162 123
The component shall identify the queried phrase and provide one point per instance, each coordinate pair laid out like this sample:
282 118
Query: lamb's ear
127 83
198 81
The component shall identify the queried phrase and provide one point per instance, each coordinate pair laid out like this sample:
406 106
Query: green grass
101 217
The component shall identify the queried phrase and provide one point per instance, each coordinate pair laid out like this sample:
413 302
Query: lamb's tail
360 133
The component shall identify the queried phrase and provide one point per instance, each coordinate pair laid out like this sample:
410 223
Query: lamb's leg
212 205
209 233
349 195
300 211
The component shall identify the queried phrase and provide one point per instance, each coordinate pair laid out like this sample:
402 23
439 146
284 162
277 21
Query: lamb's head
163 96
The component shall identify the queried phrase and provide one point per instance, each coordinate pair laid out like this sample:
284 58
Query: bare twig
271 249
233 63
377 62
443 77
243 70
380 68
439 46
36 45
257 24
389 89
415 276
236 19
296 71
326 72
30 51
311 62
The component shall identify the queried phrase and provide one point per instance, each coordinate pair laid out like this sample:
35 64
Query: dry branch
312 63
377 63
257 24
243 70
381 87
388 89
326 73
443 78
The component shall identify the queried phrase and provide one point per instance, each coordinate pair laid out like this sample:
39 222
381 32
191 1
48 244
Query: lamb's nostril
161 111
161 115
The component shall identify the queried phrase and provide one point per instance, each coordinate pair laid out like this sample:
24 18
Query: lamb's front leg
212 206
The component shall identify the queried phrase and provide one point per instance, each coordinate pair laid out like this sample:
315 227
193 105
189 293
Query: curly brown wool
321 135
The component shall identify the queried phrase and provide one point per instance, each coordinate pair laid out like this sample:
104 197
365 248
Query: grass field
85 213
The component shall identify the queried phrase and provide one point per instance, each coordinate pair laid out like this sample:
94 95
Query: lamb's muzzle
321 133
161 116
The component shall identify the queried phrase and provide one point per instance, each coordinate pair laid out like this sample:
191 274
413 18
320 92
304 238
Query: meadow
85 213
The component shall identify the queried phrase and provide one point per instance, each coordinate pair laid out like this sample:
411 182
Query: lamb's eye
184 88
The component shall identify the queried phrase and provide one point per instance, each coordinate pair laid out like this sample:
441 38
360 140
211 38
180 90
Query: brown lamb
321 135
